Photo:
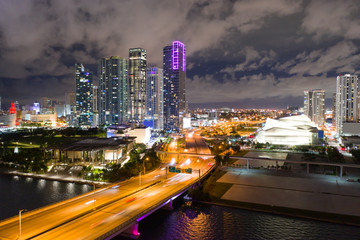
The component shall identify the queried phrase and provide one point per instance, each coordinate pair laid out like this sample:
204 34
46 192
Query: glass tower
314 105
84 95
174 64
347 87
113 88
155 96
137 85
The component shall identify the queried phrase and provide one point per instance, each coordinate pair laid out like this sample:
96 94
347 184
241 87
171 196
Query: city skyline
239 54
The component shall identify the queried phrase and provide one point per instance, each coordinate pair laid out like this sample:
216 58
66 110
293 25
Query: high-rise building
95 106
347 104
174 65
95 98
0 103
137 85
70 103
17 105
334 109
84 96
45 102
70 98
314 105
155 96
113 90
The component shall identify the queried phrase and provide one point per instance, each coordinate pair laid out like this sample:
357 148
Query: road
90 215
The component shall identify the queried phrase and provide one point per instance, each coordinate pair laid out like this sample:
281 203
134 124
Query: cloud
41 40
342 57
253 60
31 29
332 18
207 89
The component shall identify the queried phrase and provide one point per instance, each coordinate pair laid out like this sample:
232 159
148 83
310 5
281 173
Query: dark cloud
239 52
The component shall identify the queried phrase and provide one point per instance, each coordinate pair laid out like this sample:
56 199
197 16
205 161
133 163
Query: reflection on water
187 221
41 184
28 193
199 221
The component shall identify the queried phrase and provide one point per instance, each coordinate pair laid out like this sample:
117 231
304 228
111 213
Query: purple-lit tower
174 65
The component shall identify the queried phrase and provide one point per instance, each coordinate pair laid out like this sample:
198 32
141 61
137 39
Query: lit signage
175 55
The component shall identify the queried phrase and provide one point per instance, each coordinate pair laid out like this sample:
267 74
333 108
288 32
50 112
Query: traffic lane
97 224
44 220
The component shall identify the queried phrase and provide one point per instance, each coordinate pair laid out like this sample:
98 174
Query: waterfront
31 193
187 221
211 222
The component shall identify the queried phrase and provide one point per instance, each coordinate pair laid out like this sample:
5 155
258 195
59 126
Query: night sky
239 53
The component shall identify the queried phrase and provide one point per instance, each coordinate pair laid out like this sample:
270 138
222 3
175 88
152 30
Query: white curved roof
292 130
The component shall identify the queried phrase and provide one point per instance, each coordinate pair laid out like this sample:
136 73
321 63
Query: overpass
276 161
109 211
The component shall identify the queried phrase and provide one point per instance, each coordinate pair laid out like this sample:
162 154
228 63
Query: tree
218 160
356 155
334 155
226 158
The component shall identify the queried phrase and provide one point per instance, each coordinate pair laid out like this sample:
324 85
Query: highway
91 215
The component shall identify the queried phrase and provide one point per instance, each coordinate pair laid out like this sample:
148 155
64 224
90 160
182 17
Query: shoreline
54 178
290 212
250 190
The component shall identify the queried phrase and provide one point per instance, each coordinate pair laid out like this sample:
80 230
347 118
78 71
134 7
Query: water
29 193
211 222
187 221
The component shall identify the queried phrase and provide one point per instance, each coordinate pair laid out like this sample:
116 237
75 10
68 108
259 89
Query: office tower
174 65
95 106
0 103
84 96
113 89
17 105
70 98
346 103
137 85
154 96
334 109
45 102
95 99
314 105
36 107
70 102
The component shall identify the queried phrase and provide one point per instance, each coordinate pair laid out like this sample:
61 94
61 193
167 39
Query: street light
146 159
94 195
20 211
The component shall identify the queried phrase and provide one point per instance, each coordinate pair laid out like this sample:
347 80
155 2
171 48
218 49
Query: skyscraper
155 96
45 102
113 90
137 85
174 64
314 105
84 95
347 104
334 109
95 106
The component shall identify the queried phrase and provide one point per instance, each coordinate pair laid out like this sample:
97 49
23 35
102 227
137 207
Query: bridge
341 166
112 210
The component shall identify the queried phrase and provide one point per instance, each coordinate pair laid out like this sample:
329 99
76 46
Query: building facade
314 105
347 109
174 67
293 130
113 89
84 96
95 106
155 97
137 85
